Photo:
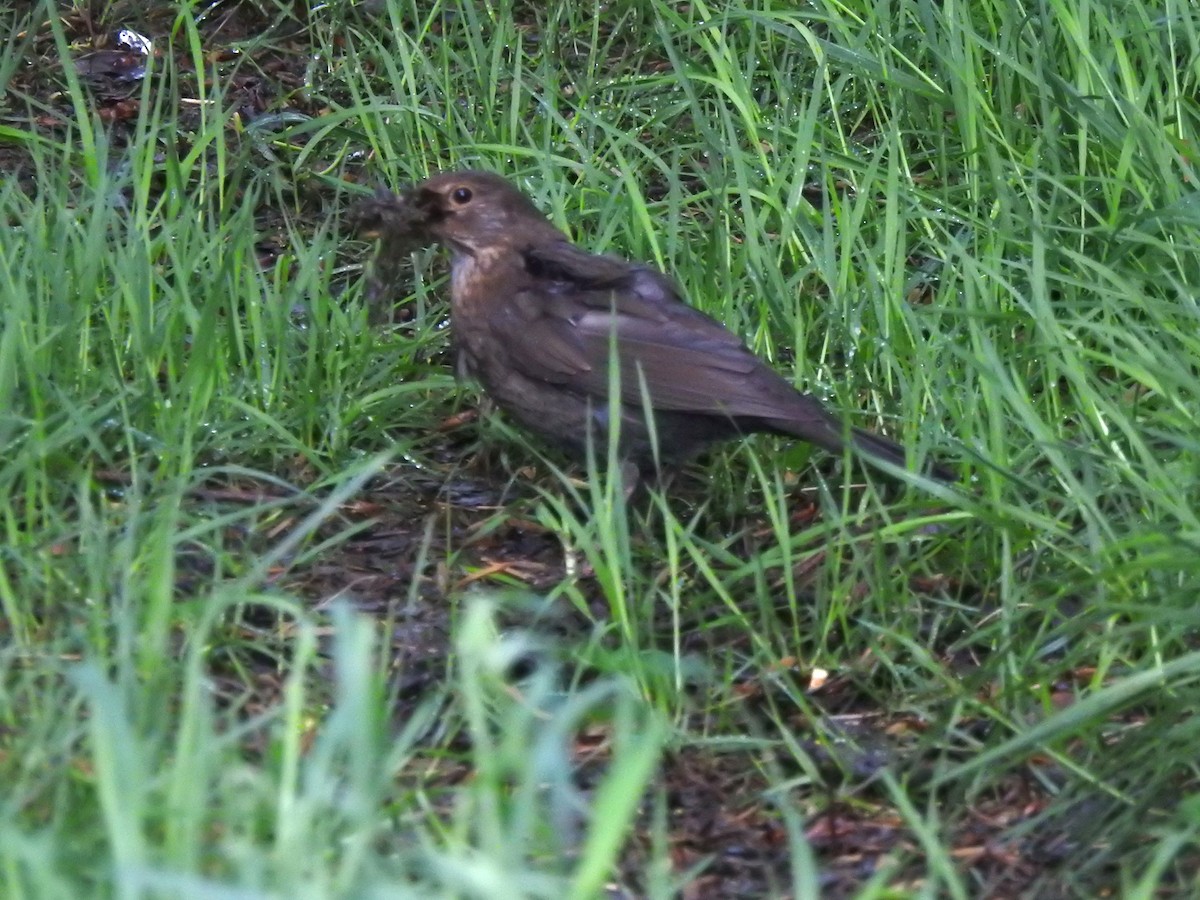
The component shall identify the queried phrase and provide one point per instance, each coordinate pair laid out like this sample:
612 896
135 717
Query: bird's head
477 212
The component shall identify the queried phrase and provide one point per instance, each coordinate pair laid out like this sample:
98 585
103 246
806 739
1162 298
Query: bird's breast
462 275
475 277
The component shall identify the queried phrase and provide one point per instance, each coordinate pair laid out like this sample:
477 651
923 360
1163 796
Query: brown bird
536 320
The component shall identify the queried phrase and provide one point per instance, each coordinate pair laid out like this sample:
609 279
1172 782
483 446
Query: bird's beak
429 203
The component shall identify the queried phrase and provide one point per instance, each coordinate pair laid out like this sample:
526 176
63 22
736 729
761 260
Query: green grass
974 226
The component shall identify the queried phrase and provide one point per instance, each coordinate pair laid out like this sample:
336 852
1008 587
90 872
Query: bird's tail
878 447
881 448
828 432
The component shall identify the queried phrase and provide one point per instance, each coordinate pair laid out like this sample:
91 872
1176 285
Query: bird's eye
461 195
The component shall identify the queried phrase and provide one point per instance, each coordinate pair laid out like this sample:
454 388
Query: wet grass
281 617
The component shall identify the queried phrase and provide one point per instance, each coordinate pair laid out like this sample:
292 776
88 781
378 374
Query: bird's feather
577 304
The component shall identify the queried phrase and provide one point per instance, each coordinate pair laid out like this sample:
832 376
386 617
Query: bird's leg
630 479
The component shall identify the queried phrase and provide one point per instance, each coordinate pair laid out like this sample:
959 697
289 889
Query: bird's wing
564 322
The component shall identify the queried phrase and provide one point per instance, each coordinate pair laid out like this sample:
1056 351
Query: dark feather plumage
536 320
